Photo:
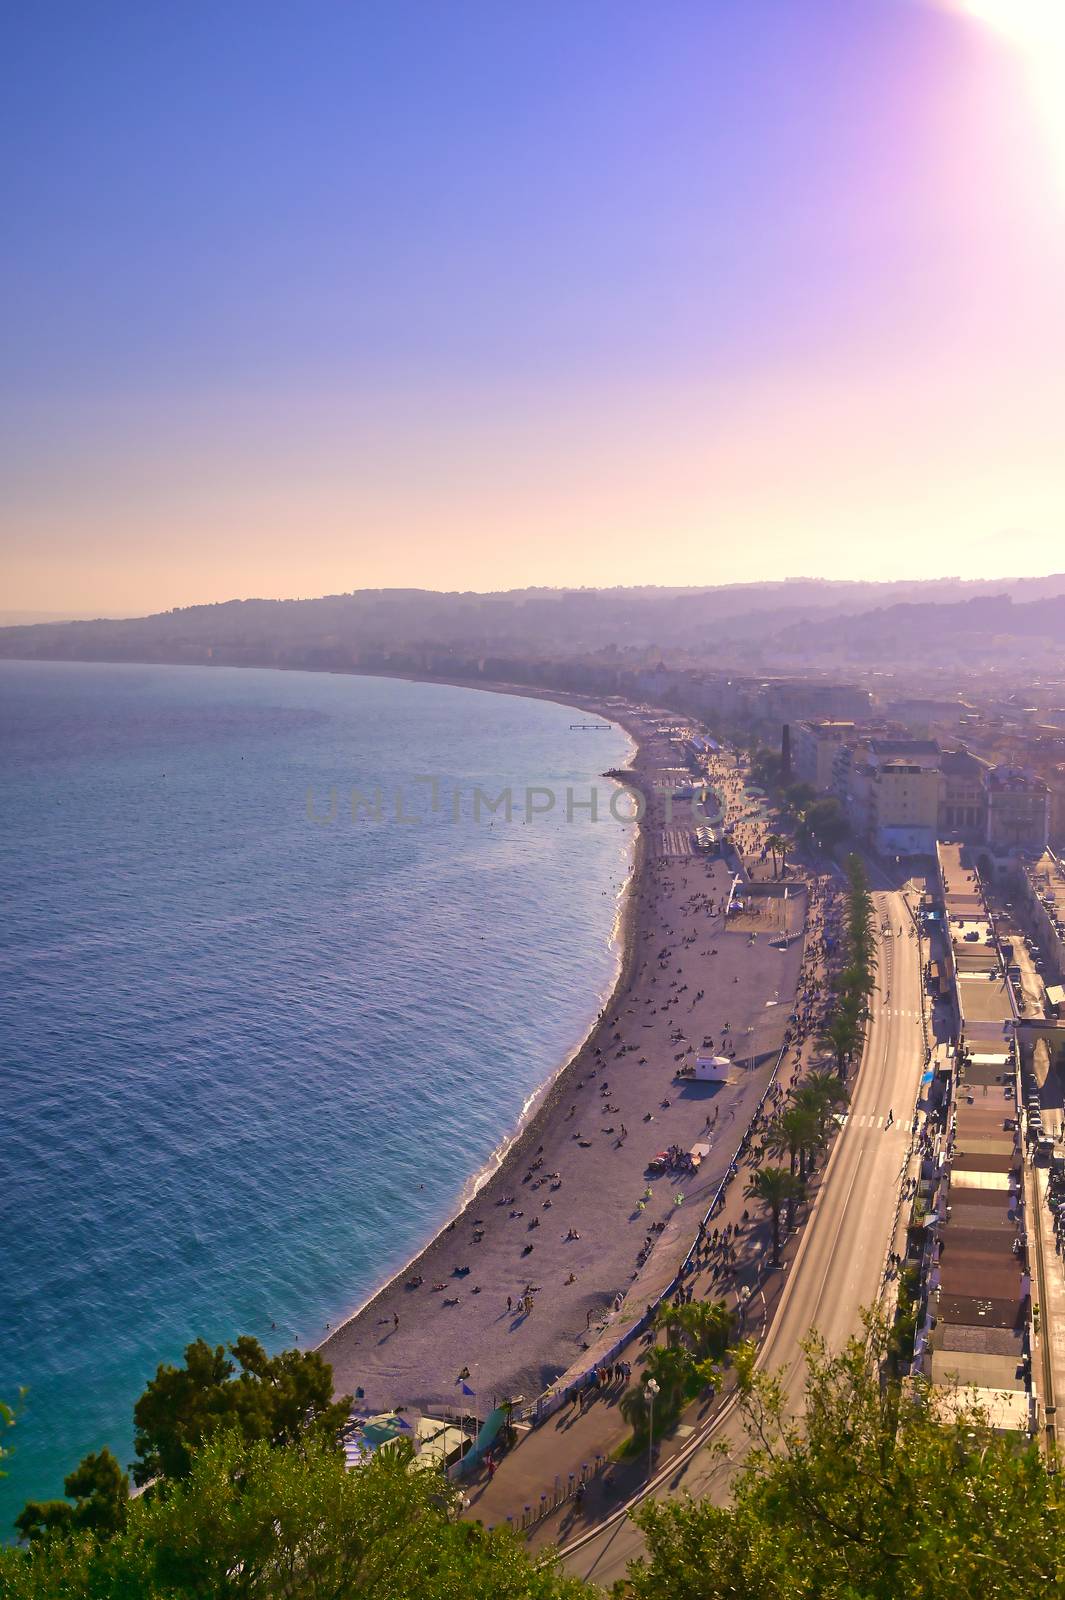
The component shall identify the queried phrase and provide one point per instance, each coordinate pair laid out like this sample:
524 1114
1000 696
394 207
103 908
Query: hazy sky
303 297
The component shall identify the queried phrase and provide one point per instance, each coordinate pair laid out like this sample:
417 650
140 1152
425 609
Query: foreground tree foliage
7 1420
255 1520
872 1497
99 1490
278 1399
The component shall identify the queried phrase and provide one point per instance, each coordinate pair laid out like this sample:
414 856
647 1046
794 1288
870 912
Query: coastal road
840 1264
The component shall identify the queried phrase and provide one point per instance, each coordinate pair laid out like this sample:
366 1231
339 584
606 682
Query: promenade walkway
534 1486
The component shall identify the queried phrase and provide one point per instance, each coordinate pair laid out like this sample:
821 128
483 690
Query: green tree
671 1367
794 1133
799 795
100 1491
766 767
279 1399
704 1325
876 1494
855 985
774 1188
823 1094
823 820
774 844
258 1522
841 1033
634 1407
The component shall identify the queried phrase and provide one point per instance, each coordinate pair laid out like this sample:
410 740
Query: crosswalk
869 1120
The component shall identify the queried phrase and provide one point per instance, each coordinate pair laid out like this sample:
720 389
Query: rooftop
984 998
1016 780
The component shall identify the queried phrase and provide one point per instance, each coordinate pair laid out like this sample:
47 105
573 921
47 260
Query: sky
302 298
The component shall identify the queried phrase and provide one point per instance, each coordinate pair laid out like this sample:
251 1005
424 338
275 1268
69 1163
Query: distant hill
21 619
787 621
982 625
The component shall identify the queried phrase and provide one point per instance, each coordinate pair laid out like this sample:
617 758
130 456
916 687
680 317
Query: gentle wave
249 1065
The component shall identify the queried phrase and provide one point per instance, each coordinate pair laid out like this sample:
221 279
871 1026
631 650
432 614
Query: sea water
274 983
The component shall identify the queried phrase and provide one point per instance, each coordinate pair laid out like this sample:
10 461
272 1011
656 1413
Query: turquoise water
249 1060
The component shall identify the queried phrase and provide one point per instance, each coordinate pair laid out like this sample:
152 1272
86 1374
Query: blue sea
253 1047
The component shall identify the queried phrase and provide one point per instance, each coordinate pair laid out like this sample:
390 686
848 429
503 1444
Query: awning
387 1425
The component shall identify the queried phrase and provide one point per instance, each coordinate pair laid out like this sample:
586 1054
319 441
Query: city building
815 747
792 699
1018 810
1042 888
904 808
962 796
974 1336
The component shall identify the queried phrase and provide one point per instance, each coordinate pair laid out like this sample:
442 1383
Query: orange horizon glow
684 305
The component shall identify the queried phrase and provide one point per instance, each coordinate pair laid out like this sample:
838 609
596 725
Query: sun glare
1035 29
1029 23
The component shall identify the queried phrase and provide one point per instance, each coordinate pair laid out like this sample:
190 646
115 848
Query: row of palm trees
800 1132
854 983
698 1334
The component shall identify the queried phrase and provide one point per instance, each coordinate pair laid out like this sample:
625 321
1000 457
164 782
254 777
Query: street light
652 1389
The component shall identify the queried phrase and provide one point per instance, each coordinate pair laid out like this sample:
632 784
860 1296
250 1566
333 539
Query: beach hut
707 1069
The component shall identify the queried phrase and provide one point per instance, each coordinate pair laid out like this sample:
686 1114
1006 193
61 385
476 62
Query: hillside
786 622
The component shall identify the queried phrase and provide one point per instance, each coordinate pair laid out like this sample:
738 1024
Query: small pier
589 727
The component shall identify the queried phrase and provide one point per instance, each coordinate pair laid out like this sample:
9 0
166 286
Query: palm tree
774 1188
791 1134
774 843
856 982
822 1093
634 1408
706 1324
842 1034
785 846
672 1368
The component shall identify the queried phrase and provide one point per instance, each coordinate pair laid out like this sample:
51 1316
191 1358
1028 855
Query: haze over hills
19 619
785 623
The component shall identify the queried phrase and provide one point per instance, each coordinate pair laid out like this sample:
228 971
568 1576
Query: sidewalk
1048 1364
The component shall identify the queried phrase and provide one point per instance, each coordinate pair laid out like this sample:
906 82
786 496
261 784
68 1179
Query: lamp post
652 1389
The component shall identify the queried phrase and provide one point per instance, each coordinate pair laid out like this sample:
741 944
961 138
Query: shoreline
623 935
540 1102
513 1354
674 899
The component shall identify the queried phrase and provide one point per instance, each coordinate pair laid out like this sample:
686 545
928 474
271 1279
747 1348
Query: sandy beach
569 1218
